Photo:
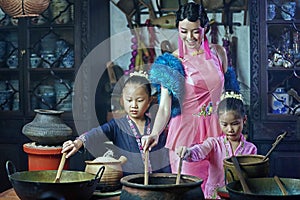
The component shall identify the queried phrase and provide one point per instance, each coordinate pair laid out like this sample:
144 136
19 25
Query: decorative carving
255 104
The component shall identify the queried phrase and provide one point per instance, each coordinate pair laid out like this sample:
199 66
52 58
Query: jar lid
104 160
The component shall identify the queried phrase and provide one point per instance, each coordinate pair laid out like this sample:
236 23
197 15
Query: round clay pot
253 166
110 180
47 128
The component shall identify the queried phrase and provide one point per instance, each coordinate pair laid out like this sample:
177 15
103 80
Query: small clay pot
112 175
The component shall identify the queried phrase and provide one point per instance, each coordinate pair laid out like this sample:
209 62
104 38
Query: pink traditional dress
202 83
216 149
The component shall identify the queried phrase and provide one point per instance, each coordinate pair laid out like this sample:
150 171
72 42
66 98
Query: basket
24 8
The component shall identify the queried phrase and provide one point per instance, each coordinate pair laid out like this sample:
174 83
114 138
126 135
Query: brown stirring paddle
60 168
280 185
240 175
146 170
179 168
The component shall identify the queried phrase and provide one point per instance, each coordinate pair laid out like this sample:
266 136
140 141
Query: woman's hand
149 141
71 147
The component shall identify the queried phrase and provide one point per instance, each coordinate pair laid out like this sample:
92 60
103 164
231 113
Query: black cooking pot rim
231 185
193 181
261 161
19 176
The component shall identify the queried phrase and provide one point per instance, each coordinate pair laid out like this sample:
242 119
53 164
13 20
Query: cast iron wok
37 185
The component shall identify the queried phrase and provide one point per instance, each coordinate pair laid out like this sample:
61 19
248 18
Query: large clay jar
253 166
47 128
110 180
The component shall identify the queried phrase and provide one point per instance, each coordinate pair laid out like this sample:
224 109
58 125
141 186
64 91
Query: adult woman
199 72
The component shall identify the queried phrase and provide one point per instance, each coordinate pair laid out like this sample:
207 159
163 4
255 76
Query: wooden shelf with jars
275 81
48 56
37 60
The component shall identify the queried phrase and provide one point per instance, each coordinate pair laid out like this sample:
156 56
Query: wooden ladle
280 185
236 164
179 168
146 170
60 168
278 139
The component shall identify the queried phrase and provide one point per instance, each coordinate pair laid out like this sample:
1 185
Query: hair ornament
232 94
139 73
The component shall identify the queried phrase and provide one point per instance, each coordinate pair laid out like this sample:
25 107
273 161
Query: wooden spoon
282 188
179 168
60 168
240 175
278 139
146 170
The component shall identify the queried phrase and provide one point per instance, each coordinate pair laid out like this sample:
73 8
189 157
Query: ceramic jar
280 98
112 175
47 128
68 60
35 60
47 96
60 12
12 61
271 11
288 10
48 59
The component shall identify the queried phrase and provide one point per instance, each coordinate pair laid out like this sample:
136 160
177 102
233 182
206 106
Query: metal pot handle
9 166
100 171
96 179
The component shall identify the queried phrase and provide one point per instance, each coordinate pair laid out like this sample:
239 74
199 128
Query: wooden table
10 194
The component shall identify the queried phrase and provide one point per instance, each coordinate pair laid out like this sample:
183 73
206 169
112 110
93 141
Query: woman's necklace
197 52
138 139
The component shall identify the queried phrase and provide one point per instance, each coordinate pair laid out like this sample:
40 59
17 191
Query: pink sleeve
201 151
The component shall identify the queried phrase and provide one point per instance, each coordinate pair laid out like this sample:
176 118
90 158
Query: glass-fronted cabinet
275 81
37 60
283 59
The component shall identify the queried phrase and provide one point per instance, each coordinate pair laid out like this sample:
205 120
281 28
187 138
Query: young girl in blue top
126 132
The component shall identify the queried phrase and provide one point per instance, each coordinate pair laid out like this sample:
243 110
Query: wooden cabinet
58 44
274 78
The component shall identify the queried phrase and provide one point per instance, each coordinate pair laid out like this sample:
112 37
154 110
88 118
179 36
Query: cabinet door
275 83
37 60
283 55
282 61
9 66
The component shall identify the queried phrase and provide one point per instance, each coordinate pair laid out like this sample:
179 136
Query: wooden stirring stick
179 168
240 175
282 188
60 168
146 171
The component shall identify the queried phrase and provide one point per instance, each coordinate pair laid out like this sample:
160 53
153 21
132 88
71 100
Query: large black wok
264 189
37 185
